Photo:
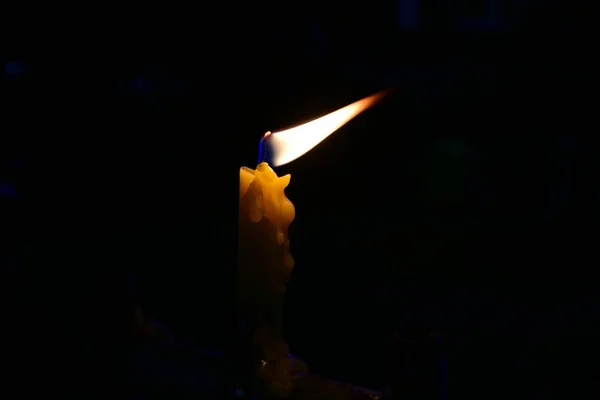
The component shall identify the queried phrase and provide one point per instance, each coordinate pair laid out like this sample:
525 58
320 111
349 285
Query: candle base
269 359
272 363
279 375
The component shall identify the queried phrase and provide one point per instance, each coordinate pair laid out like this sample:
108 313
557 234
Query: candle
265 215
265 263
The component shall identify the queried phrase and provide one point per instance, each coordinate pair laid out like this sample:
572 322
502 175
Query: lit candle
265 262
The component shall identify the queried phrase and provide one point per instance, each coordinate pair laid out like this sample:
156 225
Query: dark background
465 203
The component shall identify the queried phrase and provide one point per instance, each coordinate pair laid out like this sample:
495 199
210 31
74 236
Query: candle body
264 267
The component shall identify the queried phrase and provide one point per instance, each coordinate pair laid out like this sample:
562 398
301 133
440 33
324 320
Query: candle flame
287 145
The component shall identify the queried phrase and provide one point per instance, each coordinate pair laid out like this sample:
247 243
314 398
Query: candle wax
264 267
265 215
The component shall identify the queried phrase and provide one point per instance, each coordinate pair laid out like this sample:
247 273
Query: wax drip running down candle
265 262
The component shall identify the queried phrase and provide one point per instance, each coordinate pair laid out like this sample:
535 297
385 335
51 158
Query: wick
262 148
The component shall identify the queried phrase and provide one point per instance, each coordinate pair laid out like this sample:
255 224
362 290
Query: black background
145 180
